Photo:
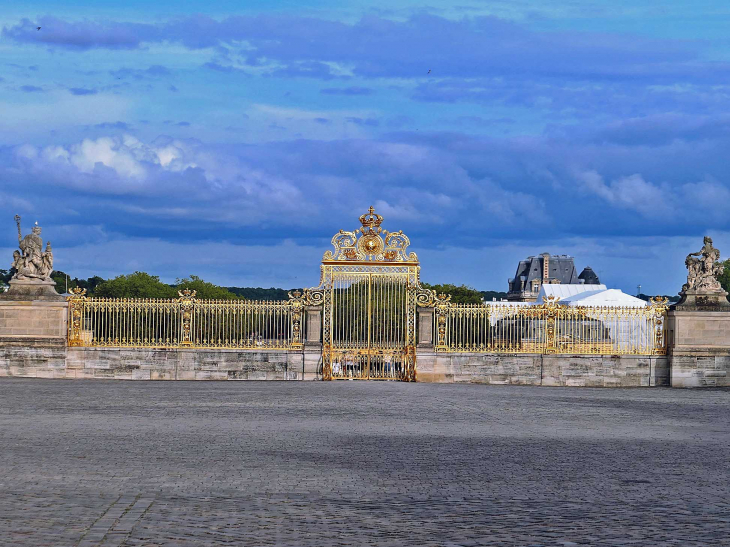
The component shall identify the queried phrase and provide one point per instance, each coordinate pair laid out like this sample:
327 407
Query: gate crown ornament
370 219
370 243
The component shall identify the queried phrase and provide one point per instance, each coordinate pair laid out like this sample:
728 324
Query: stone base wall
699 348
605 370
33 357
148 364
546 370
706 370
50 358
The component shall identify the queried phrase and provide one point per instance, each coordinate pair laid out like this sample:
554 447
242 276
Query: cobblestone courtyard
203 463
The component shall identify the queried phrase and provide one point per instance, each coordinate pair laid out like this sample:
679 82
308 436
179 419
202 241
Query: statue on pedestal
31 262
703 290
33 266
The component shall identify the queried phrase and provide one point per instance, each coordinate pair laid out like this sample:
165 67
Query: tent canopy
609 297
566 291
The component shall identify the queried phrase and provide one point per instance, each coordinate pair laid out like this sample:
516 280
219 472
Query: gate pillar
314 327
425 328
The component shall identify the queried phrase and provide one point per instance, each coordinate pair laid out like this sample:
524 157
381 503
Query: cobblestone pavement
87 463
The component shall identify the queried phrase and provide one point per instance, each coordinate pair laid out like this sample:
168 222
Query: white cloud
651 200
629 192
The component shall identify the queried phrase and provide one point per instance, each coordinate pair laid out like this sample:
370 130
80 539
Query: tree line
144 285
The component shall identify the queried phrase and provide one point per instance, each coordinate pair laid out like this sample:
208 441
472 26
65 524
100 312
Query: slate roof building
536 271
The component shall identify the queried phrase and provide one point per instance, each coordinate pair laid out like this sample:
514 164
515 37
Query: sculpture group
31 261
703 287
32 266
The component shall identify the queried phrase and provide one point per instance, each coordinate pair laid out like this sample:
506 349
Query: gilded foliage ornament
370 243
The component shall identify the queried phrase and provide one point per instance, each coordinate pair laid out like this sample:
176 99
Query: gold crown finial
370 243
371 219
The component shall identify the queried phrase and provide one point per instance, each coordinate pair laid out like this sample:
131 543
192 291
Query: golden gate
368 295
369 287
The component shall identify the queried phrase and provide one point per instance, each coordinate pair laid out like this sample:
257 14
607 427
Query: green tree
59 278
203 289
89 284
136 285
460 294
6 275
724 279
258 293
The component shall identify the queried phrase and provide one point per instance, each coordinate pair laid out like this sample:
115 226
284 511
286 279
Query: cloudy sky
232 142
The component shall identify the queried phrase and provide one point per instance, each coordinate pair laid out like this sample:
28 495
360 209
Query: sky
232 140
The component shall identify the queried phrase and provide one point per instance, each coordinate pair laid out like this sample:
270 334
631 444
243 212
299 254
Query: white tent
624 330
566 291
606 298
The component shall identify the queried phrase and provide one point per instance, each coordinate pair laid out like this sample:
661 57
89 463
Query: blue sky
232 142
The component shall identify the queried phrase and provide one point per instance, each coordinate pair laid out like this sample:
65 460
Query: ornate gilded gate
369 287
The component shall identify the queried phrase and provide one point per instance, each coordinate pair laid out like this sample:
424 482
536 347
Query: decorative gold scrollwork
187 303
75 307
313 297
326 362
370 243
442 306
297 301
658 307
425 297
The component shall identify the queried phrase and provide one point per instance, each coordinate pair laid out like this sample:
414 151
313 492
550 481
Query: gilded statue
703 269
31 261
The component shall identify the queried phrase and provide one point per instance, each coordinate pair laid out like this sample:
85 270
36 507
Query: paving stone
109 463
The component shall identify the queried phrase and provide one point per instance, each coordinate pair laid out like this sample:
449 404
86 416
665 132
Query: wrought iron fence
185 322
549 328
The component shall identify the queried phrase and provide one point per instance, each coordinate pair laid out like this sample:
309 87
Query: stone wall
148 364
33 357
41 358
33 319
605 370
699 348
547 370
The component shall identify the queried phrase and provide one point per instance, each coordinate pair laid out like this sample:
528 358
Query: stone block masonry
150 364
545 370
39 358
33 319
699 348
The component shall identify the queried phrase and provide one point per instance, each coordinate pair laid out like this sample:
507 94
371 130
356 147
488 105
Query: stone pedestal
693 300
699 345
33 338
314 326
312 359
425 328
38 319
32 289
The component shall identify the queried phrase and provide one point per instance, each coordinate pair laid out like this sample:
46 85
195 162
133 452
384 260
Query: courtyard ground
107 463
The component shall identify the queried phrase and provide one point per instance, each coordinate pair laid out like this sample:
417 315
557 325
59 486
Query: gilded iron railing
185 322
548 328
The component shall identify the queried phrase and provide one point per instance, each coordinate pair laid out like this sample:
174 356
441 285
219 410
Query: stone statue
32 262
33 266
703 290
